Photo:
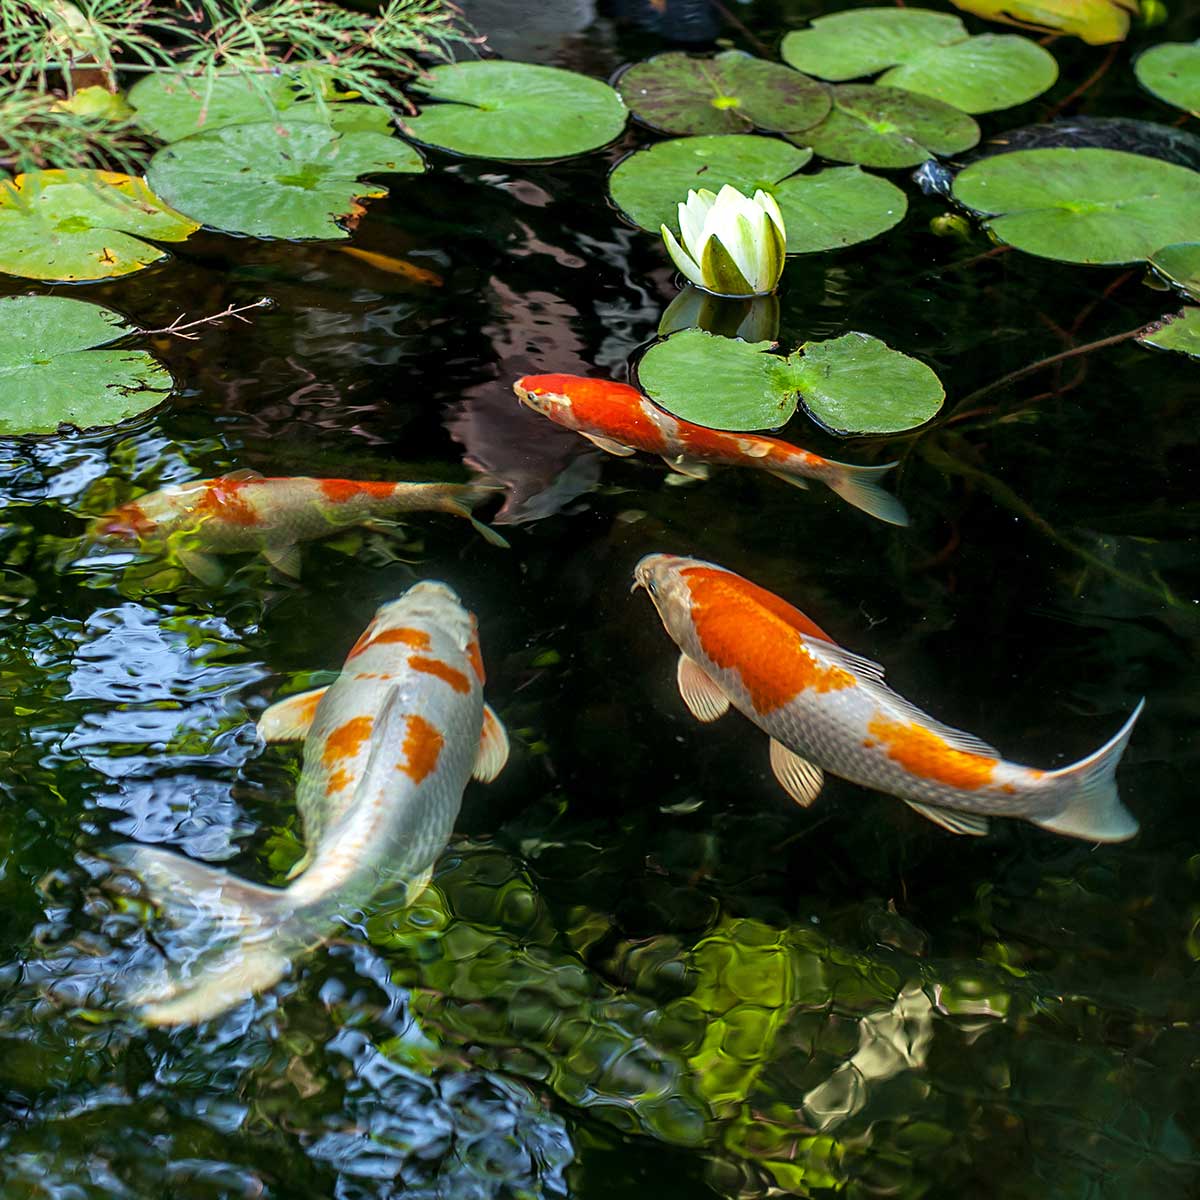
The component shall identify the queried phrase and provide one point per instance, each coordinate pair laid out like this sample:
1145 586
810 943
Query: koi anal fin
801 779
952 819
1093 810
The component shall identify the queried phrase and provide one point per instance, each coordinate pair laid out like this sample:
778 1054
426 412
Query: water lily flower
731 245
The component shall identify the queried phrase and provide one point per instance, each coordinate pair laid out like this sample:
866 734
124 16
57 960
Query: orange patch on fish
745 628
421 749
443 671
416 638
129 518
475 658
222 499
612 410
346 740
341 490
339 778
928 756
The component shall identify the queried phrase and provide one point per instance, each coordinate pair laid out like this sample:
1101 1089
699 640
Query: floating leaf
888 127
731 93
852 384
76 225
1180 264
1180 332
833 208
1095 21
173 107
513 110
249 179
98 102
1083 206
49 375
858 384
1171 72
927 52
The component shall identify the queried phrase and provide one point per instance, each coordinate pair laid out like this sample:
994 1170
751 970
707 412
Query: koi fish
243 511
388 749
619 420
826 709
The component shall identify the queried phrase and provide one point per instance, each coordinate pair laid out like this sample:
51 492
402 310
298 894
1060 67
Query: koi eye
651 587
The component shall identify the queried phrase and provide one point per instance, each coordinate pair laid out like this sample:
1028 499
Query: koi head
661 576
546 394
426 603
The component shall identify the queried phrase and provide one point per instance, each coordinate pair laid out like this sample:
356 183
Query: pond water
640 967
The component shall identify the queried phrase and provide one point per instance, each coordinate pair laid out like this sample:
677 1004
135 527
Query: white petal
681 259
691 219
770 206
741 240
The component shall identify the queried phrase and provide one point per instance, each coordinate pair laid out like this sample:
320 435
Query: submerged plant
730 244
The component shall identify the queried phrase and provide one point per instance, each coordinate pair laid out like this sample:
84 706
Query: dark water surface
640 969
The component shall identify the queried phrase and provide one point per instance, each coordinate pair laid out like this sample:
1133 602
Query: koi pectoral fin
705 701
609 445
205 567
952 819
289 720
801 779
683 464
493 748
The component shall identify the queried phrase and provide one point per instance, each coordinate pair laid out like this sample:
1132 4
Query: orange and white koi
826 709
620 420
243 511
388 749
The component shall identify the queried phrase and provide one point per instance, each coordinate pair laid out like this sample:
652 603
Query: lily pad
731 93
1083 206
832 208
888 127
173 107
1180 332
852 384
50 375
77 225
1097 22
1171 72
248 179
516 111
1181 265
926 52
858 384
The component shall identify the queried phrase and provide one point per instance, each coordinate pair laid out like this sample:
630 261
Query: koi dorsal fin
870 672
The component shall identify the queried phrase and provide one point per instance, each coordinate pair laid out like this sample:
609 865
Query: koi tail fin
860 486
229 938
1093 810
461 498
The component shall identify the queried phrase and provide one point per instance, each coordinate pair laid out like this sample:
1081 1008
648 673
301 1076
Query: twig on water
178 327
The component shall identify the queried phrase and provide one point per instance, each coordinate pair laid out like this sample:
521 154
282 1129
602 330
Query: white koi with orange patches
388 749
827 709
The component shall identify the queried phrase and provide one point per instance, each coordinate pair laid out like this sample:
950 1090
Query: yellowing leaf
1095 21
97 101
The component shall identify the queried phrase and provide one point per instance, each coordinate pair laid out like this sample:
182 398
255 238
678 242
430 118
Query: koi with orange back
388 749
826 709
620 420
243 511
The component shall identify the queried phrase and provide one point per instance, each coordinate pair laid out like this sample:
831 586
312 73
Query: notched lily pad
832 208
173 107
249 179
1083 206
888 127
516 111
1171 72
79 225
1180 264
926 52
850 384
731 93
1097 22
50 374
1180 333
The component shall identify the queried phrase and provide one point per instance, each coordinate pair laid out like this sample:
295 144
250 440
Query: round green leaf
173 107
858 384
731 93
1180 264
888 127
1180 332
1171 72
516 110
49 376
649 185
719 382
76 225
1083 206
249 179
866 40
928 53
837 207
